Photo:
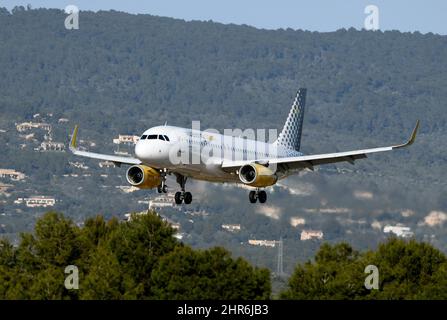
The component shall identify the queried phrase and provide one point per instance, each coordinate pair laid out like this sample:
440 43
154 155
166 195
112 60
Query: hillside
122 73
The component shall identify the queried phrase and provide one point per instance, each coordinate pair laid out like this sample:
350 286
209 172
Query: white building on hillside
311 234
78 165
232 227
164 201
21 127
37 201
106 164
262 243
11 174
399 230
126 139
51 146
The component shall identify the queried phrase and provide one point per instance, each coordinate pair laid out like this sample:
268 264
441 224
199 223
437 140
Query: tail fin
290 135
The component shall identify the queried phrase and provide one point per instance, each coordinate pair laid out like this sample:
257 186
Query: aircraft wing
115 159
288 163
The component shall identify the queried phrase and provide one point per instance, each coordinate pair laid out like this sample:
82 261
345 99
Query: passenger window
152 137
166 138
161 137
143 137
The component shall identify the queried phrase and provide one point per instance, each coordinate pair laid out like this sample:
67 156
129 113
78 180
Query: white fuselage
199 154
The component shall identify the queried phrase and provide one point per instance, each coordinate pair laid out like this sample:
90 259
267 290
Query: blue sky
315 15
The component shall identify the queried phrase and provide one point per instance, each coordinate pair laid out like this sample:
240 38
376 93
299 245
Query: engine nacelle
143 177
257 175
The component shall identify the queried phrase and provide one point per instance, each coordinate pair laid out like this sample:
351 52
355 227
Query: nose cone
152 151
142 151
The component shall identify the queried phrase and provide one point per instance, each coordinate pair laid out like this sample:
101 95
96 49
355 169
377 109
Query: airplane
229 159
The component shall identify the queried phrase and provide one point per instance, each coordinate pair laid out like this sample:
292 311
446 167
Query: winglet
73 138
412 137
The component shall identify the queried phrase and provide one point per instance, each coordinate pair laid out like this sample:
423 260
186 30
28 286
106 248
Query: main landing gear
260 195
182 196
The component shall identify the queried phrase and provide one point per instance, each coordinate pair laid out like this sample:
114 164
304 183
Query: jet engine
143 177
257 175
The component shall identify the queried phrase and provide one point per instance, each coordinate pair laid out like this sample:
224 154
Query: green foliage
407 270
138 259
336 274
208 274
410 270
138 245
56 240
104 277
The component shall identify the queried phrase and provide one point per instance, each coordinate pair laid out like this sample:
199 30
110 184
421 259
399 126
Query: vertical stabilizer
290 136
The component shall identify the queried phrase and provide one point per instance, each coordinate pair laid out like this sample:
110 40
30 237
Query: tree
56 240
103 281
137 259
407 270
208 274
138 244
336 274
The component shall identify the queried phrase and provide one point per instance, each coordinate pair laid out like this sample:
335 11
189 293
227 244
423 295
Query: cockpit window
155 137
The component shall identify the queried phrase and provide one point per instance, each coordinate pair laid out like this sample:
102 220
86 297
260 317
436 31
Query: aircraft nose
140 151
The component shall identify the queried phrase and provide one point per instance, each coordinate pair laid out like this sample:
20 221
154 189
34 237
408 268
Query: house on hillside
311 235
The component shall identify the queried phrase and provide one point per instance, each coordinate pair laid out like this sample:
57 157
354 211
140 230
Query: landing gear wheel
178 197
181 196
159 189
262 196
252 197
188 197
164 189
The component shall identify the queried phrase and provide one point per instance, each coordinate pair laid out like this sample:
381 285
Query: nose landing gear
163 188
260 195
182 196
